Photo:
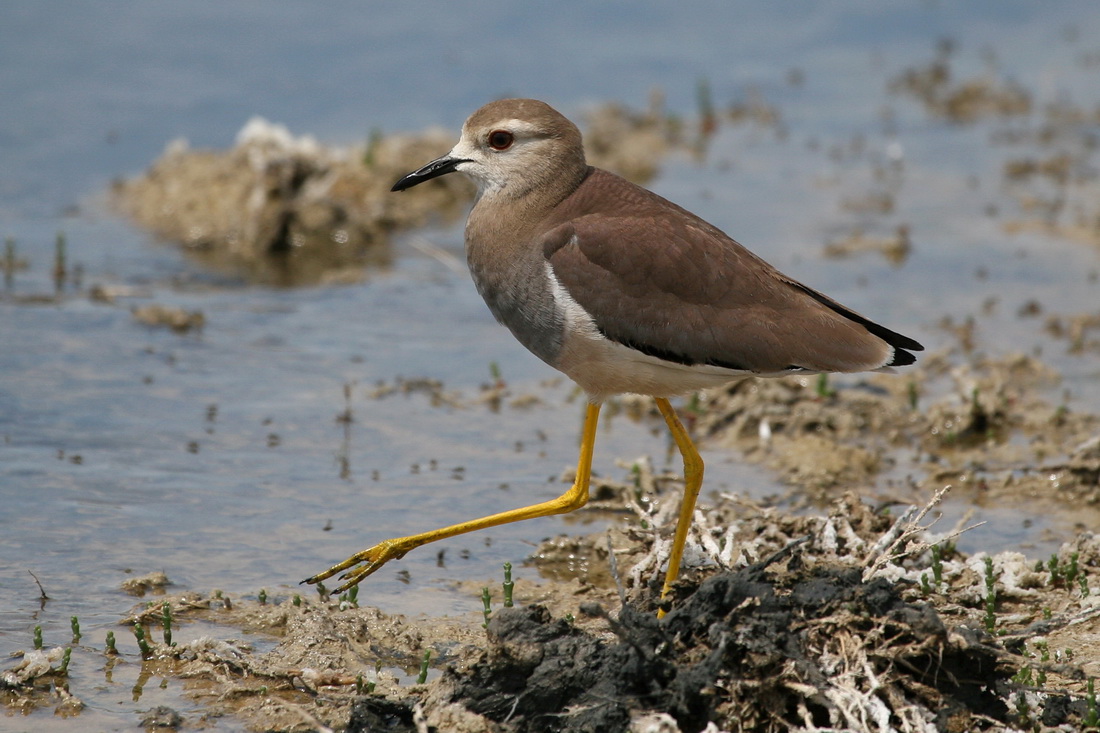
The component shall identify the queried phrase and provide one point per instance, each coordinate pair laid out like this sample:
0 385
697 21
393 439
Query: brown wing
659 279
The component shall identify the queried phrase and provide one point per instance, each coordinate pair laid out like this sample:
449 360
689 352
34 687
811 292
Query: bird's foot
368 560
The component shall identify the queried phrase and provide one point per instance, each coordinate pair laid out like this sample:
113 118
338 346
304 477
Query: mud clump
286 209
745 650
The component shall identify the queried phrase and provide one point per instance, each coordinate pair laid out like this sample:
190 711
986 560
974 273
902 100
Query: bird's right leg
371 559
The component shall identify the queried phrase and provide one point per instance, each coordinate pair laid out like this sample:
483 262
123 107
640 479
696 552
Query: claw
369 560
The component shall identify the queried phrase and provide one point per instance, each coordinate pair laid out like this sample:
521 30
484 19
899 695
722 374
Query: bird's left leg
693 481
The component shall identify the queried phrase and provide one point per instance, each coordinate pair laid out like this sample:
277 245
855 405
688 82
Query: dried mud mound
771 647
285 208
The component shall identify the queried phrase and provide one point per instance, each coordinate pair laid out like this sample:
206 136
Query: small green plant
1084 583
925 588
37 637
166 620
990 596
822 388
374 138
1092 714
914 394
297 600
1056 577
423 676
708 119
1044 651
322 591
111 648
262 596
60 269
1023 710
486 599
74 622
937 565
1023 677
9 260
143 645
1071 571
508 585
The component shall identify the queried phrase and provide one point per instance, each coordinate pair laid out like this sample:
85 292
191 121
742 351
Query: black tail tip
901 358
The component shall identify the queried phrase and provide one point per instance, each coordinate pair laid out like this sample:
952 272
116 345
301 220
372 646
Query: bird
624 292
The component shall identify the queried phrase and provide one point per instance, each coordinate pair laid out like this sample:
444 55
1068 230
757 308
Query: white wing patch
603 367
578 321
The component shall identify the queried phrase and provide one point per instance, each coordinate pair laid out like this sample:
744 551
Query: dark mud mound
768 648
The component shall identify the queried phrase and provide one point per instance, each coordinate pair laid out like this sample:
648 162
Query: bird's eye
501 139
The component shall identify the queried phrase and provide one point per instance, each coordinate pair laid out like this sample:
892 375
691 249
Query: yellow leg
372 559
693 481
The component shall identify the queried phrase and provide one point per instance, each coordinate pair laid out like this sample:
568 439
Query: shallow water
217 457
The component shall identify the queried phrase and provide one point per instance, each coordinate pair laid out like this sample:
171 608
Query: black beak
438 167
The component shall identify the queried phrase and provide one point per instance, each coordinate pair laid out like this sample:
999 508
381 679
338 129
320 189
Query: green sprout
60 269
167 622
990 596
1092 715
75 623
937 565
9 260
37 637
143 645
1055 570
1072 570
508 585
1023 677
111 648
374 138
485 598
1023 710
423 676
